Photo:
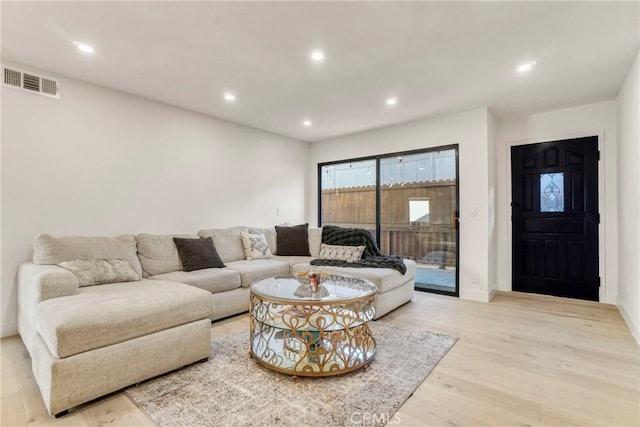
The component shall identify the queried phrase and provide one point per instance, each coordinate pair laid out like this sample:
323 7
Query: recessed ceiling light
84 47
317 55
306 123
229 96
392 101
526 66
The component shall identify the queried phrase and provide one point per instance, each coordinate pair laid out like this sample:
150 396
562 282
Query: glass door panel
348 192
418 205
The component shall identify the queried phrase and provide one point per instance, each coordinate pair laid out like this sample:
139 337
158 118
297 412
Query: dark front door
555 218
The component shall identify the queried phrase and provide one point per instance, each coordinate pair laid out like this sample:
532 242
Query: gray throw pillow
198 254
101 271
293 240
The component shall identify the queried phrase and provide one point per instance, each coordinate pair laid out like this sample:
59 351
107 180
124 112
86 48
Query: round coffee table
302 332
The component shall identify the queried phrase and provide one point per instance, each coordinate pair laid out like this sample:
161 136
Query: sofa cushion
250 271
315 239
158 253
213 280
293 259
227 242
92 272
99 316
293 240
197 254
386 279
54 250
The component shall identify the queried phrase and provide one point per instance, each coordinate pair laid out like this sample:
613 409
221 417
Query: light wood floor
521 360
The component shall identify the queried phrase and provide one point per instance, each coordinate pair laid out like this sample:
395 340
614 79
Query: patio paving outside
434 278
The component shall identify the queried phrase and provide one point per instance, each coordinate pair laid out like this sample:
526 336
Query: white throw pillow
341 253
100 271
255 246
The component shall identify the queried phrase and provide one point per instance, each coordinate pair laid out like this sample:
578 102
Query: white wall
595 119
493 179
469 130
100 162
629 200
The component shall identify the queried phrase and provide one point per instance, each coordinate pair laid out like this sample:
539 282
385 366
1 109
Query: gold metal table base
314 338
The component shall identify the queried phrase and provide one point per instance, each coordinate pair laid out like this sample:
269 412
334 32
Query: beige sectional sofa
88 341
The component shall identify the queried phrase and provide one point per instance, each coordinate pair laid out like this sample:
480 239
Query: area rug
233 390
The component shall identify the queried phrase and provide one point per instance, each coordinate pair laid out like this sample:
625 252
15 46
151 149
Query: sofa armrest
42 282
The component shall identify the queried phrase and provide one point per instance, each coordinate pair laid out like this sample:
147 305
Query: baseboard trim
633 328
473 295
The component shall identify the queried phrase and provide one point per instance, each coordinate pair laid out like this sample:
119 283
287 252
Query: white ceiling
436 57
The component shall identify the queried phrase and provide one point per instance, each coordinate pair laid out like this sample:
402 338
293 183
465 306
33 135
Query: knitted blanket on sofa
371 257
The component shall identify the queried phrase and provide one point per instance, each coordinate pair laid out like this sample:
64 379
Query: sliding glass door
418 204
409 203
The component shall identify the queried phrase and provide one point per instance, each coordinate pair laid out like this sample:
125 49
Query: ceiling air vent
12 77
31 82
49 87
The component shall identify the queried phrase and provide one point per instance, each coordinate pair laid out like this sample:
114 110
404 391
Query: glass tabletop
333 288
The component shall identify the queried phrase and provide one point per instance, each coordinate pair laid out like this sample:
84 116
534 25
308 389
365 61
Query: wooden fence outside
432 242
